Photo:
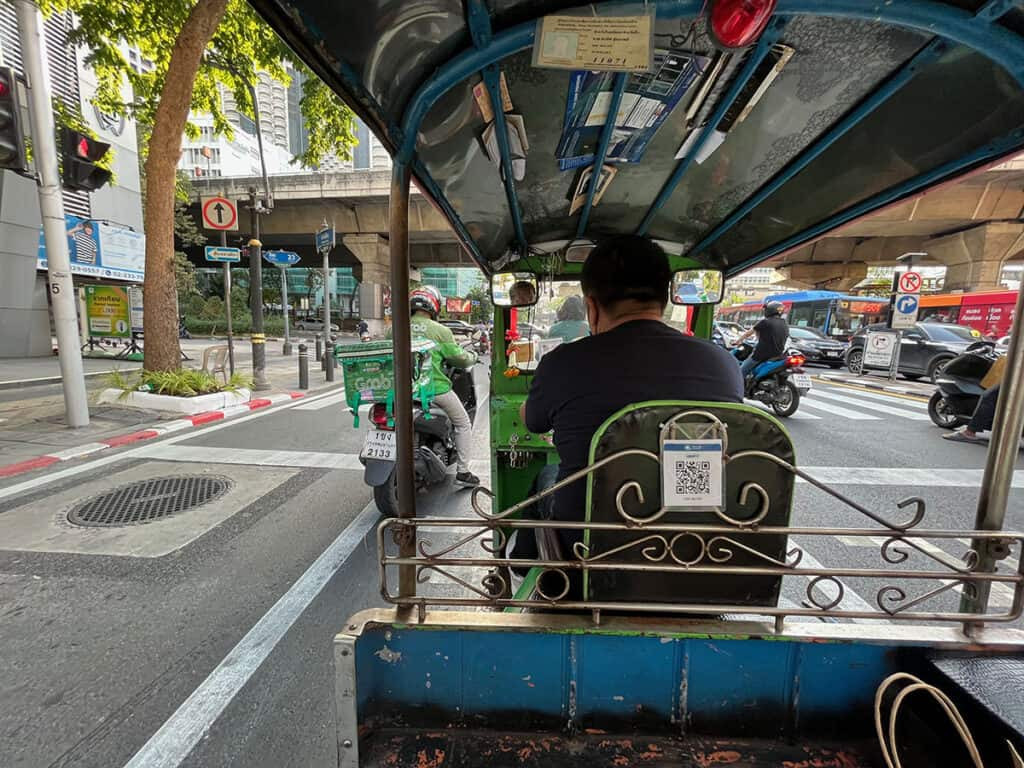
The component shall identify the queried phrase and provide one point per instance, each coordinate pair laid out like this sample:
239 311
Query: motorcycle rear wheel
385 496
786 400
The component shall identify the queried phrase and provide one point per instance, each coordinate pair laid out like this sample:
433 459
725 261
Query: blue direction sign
904 310
223 253
281 258
325 240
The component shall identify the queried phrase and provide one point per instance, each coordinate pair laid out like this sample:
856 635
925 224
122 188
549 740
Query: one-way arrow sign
219 213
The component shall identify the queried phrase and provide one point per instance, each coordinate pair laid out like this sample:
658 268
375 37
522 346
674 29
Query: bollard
330 366
319 350
303 367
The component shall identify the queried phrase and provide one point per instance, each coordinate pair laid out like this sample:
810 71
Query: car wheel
855 362
936 368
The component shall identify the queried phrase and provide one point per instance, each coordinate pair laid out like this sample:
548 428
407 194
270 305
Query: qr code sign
693 478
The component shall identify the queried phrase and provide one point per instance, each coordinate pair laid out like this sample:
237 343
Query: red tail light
738 23
795 361
379 416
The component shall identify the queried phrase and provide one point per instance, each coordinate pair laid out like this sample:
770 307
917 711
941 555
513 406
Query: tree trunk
162 351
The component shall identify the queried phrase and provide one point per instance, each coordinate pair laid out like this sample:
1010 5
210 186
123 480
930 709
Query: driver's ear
592 313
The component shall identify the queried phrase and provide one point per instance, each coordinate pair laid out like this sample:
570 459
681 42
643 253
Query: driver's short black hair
626 267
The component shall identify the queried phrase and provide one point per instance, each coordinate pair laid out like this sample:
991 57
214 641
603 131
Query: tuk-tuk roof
842 107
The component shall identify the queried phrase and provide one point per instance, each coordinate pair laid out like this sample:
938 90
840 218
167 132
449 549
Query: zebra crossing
831 401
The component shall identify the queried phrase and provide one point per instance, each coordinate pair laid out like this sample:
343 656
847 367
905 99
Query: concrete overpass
973 228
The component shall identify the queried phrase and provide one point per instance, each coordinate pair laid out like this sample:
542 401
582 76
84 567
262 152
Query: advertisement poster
135 302
101 249
107 312
458 306
648 100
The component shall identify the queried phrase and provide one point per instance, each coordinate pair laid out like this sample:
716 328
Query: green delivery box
369 373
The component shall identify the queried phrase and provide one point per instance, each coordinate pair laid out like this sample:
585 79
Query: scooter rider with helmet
425 305
772 334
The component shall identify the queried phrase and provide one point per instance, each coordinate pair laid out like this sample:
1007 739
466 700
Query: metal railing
911 579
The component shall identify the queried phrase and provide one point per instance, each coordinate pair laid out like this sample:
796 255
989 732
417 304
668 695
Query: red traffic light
738 23
80 153
83 148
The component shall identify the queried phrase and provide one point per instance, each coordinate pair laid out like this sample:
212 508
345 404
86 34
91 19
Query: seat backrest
639 426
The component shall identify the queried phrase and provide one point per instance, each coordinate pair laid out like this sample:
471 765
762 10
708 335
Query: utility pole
51 207
227 305
259 340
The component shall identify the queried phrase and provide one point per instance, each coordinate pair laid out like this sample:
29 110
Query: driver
772 332
632 356
425 305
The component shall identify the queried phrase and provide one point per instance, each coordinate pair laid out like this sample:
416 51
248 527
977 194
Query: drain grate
148 500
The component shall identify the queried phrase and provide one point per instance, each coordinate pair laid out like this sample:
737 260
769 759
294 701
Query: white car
312 324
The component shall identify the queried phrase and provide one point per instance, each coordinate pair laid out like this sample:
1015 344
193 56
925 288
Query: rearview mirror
514 289
697 286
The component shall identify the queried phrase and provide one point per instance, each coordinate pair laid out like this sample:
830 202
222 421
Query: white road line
878 396
323 402
938 477
798 416
901 412
837 411
252 457
46 479
190 723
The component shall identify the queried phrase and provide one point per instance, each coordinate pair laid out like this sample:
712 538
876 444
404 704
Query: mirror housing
697 286
514 289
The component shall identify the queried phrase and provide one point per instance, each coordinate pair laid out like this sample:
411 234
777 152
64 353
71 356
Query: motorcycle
959 386
481 342
778 383
433 444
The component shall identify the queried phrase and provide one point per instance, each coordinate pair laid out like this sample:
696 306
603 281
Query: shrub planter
170 403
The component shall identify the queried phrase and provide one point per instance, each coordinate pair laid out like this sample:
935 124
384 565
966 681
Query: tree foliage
242 46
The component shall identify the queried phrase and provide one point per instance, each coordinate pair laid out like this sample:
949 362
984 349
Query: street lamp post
259 340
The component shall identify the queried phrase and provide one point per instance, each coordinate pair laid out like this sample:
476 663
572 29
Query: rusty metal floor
393 748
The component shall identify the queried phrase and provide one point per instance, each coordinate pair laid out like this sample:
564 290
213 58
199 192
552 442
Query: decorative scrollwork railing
910 577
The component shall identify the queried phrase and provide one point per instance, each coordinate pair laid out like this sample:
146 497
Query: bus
988 312
835 314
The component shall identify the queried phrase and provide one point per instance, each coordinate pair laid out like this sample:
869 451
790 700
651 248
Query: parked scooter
778 383
363 329
433 444
959 386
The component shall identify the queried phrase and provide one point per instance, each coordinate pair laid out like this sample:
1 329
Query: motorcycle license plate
801 380
379 444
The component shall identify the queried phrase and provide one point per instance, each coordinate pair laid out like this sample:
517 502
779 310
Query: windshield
558 317
805 333
951 333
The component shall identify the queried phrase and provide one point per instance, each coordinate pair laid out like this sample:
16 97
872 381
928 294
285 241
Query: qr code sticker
693 478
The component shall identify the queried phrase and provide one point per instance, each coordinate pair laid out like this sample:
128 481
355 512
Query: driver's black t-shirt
577 386
772 333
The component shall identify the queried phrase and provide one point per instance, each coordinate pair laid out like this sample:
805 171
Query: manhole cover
148 500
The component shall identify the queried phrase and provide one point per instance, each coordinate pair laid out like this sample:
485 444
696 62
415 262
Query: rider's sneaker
466 480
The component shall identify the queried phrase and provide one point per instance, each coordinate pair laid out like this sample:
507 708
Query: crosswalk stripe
879 396
798 416
902 413
838 411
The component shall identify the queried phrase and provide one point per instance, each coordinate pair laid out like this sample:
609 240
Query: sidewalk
32 427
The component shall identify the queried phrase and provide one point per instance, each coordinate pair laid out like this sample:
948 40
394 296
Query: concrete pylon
374 256
830 276
975 257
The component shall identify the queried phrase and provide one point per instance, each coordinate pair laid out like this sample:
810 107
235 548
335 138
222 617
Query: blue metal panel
403 668
989 153
832 680
515 673
745 683
927 55
631 679
602 149
754 60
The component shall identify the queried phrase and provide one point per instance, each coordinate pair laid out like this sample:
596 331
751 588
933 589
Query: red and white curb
185 422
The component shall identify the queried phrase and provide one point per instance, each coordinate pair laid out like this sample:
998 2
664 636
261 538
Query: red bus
988 312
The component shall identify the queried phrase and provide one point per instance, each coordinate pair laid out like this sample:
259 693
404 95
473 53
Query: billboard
458 306
100 249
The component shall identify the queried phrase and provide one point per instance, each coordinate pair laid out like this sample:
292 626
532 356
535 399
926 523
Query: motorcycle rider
772 333
425 306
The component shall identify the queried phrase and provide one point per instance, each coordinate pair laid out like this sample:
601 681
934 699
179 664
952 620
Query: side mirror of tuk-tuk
514 289
697 286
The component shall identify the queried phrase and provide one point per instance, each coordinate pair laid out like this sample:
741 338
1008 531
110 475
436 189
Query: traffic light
80 154
12 139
